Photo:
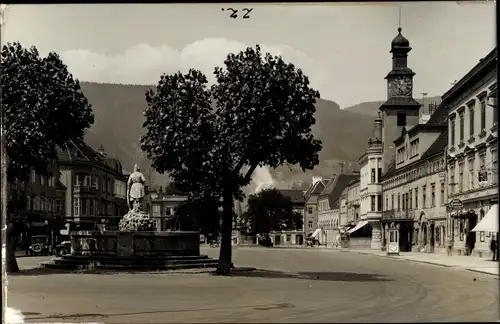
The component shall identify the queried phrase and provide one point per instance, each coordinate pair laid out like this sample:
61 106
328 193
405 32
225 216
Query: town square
235 173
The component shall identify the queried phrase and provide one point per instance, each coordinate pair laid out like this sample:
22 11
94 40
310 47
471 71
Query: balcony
81 189
394 215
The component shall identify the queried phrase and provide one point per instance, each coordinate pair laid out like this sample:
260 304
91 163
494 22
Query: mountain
118 126
371 108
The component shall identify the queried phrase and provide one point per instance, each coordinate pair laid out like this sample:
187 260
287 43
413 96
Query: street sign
456 204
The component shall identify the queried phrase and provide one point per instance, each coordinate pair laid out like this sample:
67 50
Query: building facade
311 204
94 183
370 186
472 162
164 205
353 205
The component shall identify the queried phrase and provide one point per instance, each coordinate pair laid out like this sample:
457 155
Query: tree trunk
225 263
7 226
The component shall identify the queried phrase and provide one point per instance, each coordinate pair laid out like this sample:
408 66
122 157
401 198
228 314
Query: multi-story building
297 198
472 163
343 208
37 206
329 207
164 204
311 204
370 186
94 182
353 204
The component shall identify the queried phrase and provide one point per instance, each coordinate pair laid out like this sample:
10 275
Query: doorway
432 237
277 240
471 236
299 239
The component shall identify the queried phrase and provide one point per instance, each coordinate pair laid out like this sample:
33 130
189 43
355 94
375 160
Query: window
83 207
379 175
403 202
42 180
483 114
373 175
76 207
33 176
392 201
460 177
309 210
372 203
58 206
410 203
379 202
461 116
416 198
424 202
471 119
452 131
441 186
91 207
433 195
399 202
28 203
452 180
51 204
401 119
386 202
494 166
310 224
156 210
96 182
470 174
168 211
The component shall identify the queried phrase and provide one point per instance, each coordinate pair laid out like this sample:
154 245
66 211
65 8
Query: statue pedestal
125 243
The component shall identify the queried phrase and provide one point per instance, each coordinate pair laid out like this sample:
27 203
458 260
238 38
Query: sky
343 48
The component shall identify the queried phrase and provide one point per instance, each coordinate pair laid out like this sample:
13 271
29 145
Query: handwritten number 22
235 11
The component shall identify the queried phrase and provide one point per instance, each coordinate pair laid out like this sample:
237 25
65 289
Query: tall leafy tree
43 108
270 211
210 139
200 215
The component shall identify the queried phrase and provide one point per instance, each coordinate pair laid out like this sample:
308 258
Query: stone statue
135 189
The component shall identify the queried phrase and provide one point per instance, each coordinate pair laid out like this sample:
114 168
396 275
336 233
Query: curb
425 262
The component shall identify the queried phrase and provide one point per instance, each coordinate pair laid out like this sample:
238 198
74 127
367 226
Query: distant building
164 205
95 183
297 198
310 208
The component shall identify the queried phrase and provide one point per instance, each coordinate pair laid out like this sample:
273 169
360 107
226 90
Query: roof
77 150
295 195
438 145
439 115
335 188
315 188
400 40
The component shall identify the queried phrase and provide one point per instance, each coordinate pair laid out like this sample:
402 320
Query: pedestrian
493 248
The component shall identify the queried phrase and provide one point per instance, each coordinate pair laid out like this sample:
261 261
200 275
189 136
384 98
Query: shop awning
489 223
316 233
357 227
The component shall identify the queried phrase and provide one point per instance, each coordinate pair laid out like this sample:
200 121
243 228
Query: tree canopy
43 108
270 211
210 139
201 215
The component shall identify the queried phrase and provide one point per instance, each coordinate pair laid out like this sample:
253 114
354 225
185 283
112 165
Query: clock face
400 86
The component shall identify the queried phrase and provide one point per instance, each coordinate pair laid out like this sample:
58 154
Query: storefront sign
456 204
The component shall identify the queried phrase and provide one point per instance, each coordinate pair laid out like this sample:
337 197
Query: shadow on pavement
321 276
39 271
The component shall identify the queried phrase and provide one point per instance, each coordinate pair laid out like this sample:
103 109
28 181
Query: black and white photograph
249 162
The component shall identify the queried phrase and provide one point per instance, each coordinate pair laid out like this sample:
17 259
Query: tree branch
248 176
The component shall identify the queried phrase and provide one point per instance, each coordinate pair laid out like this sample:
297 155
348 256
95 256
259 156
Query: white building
472 153
370 186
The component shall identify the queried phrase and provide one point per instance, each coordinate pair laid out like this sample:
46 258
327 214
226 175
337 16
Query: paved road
310 285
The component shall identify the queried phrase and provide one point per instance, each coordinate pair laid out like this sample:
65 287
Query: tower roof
400 40
376 136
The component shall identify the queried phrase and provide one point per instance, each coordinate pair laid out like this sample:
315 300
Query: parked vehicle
38 245
63 248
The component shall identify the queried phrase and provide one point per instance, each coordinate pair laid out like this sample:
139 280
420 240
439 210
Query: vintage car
38 245
63 248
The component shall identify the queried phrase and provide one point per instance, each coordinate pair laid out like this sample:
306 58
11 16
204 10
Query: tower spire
399 22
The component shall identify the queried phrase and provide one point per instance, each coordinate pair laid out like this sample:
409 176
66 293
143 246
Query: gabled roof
336 186
438 146
77 150
295 195
315 189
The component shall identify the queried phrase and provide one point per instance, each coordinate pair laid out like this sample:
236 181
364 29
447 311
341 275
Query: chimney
101 151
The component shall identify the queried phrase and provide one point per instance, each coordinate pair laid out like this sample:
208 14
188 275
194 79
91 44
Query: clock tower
400 110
